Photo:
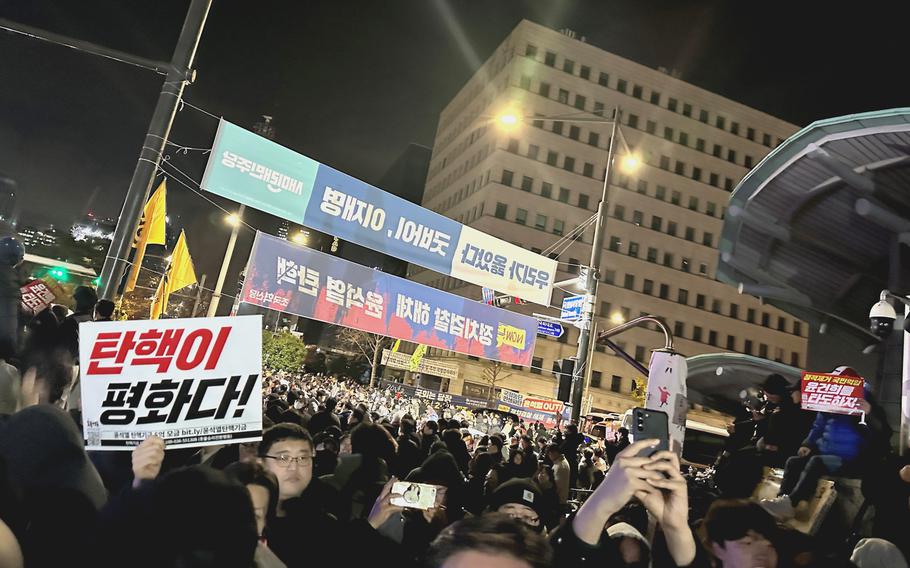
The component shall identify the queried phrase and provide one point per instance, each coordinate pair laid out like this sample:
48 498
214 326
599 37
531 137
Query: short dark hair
283 431
105 308
374 441
493 533
731 519
254 473
432 425
554 448
572 427
54 368
407 425
331 403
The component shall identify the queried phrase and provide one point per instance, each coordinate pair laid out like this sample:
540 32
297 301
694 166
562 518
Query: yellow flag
417 357
179 275
151 231
396 346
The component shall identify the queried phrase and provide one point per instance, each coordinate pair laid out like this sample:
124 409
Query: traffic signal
58 273
562 371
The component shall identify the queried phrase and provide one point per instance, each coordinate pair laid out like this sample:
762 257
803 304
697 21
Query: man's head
553 453
85 298
740 534
202 518
775 388
104 310
262 485
633 546
287 451
522 500
430 427
330 404
571 428
492 540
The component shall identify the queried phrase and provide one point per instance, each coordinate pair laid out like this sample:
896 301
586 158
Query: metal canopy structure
815 228
716 380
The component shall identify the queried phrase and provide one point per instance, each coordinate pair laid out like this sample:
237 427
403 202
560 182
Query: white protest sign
193 382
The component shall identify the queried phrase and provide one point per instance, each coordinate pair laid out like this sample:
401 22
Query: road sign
550 328
572 307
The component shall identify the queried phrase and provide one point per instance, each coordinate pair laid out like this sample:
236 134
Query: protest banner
262 174
36 296
301 281
530 415
192 382
432 396
839 394
402 361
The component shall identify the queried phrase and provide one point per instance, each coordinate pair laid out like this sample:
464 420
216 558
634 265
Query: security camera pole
590 284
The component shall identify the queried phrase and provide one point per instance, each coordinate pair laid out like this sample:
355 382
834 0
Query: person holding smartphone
653 479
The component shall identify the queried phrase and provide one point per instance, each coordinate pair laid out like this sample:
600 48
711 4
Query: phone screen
414 495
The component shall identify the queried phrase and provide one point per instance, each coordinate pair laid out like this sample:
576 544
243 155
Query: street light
299 237
630 162
617 319
234 220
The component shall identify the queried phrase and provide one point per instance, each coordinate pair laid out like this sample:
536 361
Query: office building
534 184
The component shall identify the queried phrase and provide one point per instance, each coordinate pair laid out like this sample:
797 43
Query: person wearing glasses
305 504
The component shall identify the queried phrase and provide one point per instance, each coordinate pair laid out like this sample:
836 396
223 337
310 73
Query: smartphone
650 424
414 495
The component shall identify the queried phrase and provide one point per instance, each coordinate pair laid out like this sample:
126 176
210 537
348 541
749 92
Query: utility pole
199 287
583 355
179 73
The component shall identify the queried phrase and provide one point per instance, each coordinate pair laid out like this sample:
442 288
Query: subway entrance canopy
816 227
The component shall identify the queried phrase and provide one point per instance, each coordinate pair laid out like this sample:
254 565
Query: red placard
36 296
832 393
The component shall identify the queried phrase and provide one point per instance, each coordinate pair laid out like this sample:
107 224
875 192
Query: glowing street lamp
233 220
617 319
508 119
630 163
299 237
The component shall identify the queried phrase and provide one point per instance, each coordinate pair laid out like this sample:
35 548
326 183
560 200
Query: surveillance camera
881 318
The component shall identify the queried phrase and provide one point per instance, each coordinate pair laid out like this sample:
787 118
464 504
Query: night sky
352 83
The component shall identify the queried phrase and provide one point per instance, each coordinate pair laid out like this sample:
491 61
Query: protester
104 310
305 504
85 299
304 500
562 472
837 442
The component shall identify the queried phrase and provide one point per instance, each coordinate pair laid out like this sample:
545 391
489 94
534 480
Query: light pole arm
638 322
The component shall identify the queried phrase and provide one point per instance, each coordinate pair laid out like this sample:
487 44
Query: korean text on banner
257 172
301 281
36 296
832 393
193 382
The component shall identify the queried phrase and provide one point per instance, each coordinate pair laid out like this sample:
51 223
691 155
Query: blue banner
298 280
259 173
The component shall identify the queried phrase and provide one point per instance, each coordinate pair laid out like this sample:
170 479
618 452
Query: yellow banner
511 336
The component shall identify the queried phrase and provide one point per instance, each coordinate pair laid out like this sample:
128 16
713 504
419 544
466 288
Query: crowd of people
343 472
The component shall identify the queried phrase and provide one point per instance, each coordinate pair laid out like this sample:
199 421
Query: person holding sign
849 432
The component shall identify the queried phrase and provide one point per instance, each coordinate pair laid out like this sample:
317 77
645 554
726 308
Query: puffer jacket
837 435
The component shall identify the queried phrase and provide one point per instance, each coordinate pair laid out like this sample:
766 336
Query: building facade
536 183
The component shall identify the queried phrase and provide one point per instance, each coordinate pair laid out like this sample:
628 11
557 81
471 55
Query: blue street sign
572 307
550 328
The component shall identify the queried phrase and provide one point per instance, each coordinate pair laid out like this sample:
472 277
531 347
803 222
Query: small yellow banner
511 336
